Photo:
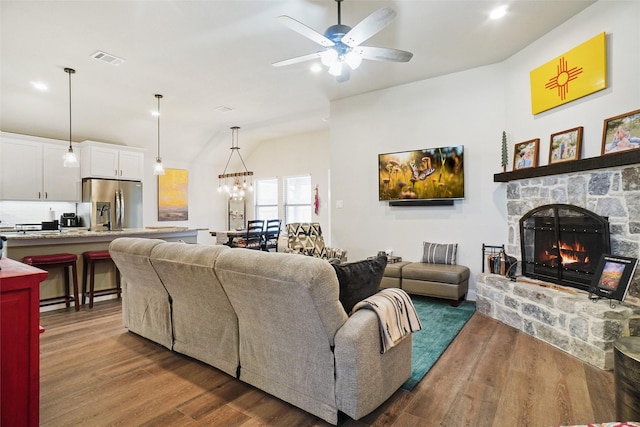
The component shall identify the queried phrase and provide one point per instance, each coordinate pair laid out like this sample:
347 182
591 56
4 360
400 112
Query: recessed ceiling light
498 12
316 68
40 86
224 109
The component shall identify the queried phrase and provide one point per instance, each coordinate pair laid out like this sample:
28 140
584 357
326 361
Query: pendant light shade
158 168
70 158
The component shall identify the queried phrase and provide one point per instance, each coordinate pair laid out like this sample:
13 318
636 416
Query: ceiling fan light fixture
329 57
353 60
336 68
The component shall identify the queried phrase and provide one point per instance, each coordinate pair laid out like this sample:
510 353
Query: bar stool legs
90 259
63 261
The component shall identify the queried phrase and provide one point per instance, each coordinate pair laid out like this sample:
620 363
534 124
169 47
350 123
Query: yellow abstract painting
173 195
572 75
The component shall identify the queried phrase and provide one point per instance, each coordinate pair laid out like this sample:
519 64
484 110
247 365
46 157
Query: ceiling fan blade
369 26
308 32
297 59
383 54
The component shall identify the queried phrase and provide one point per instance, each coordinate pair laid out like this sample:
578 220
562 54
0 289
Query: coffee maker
69 220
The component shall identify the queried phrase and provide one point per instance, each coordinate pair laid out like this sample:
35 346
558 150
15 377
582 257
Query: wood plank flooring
95 373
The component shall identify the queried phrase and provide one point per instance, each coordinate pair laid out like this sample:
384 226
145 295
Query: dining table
227 237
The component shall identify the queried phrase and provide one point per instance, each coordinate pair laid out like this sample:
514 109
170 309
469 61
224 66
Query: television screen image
428 174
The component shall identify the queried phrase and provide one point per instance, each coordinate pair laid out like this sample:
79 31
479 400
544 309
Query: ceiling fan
343 52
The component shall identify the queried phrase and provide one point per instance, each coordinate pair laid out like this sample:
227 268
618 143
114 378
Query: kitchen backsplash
12 213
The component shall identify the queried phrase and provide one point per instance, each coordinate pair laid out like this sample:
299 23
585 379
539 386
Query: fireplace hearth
562 244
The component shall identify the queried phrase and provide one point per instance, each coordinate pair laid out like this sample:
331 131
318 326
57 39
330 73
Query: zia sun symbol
561 80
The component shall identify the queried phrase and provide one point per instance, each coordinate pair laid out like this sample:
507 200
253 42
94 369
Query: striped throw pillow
440 253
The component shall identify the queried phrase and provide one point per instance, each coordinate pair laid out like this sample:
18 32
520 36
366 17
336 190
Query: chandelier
235 184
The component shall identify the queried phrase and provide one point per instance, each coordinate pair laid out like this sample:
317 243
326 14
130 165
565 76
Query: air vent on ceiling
108 58
223 109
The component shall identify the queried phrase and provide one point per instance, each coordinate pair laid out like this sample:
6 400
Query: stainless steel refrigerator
110 204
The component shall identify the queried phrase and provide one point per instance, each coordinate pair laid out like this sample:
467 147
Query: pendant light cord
70 71
158 97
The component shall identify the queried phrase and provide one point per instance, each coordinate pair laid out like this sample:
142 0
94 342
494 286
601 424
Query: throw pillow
440 253
359 280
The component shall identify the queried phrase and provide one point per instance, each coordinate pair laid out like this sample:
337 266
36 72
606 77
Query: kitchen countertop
19 238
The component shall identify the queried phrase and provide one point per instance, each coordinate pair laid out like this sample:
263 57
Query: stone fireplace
565 317
562 244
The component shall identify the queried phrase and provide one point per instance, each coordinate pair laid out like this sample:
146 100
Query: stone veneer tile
573 323
539 313
579 328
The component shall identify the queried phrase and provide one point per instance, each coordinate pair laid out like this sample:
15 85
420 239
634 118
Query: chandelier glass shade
70 159
235 184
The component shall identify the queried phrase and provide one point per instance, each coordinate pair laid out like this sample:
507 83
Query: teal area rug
440 325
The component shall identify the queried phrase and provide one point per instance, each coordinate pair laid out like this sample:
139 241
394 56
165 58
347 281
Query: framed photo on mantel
565 145
621 133
613 276
525 154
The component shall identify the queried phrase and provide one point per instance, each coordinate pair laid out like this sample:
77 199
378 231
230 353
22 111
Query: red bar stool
47 262
90 258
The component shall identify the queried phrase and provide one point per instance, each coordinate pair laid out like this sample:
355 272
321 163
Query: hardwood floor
95 373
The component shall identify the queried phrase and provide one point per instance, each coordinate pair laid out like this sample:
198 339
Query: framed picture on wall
621 133
565 145
525 154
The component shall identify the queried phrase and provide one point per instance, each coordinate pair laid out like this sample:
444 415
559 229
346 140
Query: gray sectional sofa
272 320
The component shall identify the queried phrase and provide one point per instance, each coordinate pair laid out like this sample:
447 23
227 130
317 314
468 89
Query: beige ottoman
392 277
436 280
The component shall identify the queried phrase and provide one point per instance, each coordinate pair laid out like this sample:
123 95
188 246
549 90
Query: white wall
293 156
620 20
464 108
470 108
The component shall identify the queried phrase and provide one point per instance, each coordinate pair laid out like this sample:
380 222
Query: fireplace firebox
562 244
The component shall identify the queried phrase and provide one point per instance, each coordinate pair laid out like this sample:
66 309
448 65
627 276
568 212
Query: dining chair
253 237
271 234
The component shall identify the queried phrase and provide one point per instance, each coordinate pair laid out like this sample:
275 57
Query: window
266 198
297 199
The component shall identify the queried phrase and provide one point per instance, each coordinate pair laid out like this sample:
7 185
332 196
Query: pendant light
236 190
158 169
70 159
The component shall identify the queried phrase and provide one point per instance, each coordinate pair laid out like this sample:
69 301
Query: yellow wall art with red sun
572 75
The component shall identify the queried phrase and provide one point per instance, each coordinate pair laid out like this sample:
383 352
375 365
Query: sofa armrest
365 378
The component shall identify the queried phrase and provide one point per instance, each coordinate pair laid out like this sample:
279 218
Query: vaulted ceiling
204 55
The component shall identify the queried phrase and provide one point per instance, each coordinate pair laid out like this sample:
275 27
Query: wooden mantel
623 158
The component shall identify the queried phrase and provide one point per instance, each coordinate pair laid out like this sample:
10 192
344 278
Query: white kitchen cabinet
99 160
31 169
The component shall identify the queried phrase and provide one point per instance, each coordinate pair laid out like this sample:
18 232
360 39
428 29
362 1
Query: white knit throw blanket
396 314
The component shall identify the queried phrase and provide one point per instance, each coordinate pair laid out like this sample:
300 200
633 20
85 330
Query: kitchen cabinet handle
46 195
116 174
39 195
120 172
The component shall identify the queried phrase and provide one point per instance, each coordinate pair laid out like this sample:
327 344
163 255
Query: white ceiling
201 55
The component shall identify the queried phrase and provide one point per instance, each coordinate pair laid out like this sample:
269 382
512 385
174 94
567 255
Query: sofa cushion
359 280
439 253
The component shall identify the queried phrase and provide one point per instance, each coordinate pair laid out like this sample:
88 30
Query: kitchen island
21 244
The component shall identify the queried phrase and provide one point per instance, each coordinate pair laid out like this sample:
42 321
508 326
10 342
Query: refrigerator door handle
117 212
122 207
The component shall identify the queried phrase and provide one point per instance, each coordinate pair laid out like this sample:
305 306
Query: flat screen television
427 174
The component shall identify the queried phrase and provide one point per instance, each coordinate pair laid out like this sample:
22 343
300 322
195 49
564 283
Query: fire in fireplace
562 244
